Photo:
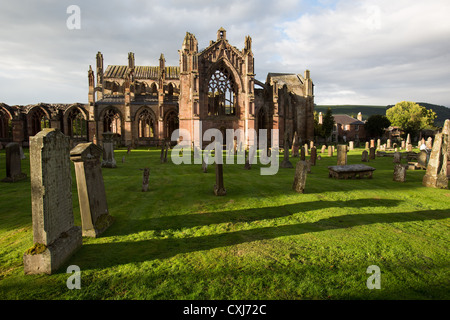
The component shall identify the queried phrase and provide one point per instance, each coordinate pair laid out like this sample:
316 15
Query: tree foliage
326 128
376 124
410 117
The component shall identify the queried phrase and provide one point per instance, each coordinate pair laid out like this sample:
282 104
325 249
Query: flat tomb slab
350 171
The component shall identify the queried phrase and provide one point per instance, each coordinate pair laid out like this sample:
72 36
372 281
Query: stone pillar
341 155
219 189
300 177
108 150
399 173
94 212
54 234
13 163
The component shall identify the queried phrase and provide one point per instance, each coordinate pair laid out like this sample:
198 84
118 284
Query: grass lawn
260 241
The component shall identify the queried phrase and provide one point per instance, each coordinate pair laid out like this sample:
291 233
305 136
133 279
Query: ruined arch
111 119
38 118
5 123
171 123
75 122
145 122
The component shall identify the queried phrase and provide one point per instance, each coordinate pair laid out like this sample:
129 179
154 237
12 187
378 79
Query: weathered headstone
367 145
408 147
306 149
205 162
341 155
372 143
308 166
429 143
219 189
436 175
397 157
295 145
388 144
167 146
300 177
330 151
13 163
54 235
108 150
403 144
311 144
399 173
302 154
324 147
286 163
94 212
22 155
145 179
351 145
372 153
365 156
422 159
128 149
378 144
313 156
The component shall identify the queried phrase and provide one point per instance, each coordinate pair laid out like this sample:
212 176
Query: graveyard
264 238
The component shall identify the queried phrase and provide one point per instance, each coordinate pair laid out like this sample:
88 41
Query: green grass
260 241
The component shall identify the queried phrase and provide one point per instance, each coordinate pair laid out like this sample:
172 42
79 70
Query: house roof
346 119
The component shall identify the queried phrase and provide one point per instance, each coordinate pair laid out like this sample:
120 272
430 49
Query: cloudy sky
373 52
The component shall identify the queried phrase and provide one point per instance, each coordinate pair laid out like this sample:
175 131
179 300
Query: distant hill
442 112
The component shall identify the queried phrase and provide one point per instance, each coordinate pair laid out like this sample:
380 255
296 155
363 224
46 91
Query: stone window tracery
221 94
111 122
146 125
76 124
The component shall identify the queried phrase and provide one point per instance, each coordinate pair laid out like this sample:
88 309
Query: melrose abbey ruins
143 105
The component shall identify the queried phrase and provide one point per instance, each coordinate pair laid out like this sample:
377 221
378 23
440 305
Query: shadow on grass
102 255
175 222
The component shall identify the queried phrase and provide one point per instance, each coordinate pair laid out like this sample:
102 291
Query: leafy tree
410 117
318 132
376 124
328 123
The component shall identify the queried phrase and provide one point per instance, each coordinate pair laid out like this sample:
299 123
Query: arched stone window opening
146 125
171 124
76 124
39 121
221 94
5 124
111 122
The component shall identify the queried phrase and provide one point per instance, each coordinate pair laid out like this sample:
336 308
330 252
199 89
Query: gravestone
161 157
94 212
295 145
367 145
306 149
323 149
397 157
219 189
108 150
341 155
429 143
365 156
300 177
351 145
399 173
286 163
436 175
378 144
311 144
372 153
54 235
308 166
205 163
372 143
145 179
330 151
408 147
403 145
302 154
408 139
388 144
422 159
13 163
123 159
313 156
128 149
167 147
22 155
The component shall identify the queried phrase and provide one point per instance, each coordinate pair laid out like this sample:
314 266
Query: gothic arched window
76 124
39 120
5 124
146 125
221 94
111 122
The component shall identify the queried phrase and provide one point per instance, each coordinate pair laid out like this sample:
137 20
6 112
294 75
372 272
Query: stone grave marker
399 173
300 177
351 145
341 155
54 235
219 189
286 163
108 150
372 153
13 163
145 179
436 175
422 159
95 217
397 157
330 151
302 154
365 156
313 156
323 149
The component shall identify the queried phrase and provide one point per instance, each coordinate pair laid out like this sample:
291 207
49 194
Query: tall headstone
306 149
388 144
397 157
205 163
351 145
367 145
330 151
408 139
54 235
219 189
341 155
372 153
300 177
372 143
403 145
399 173
286 163
302 154
94 212
108 150
311 144
295 145
22 155
436 175
13 163
422 159
313 156
324 147
429 143
145 179
378 144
